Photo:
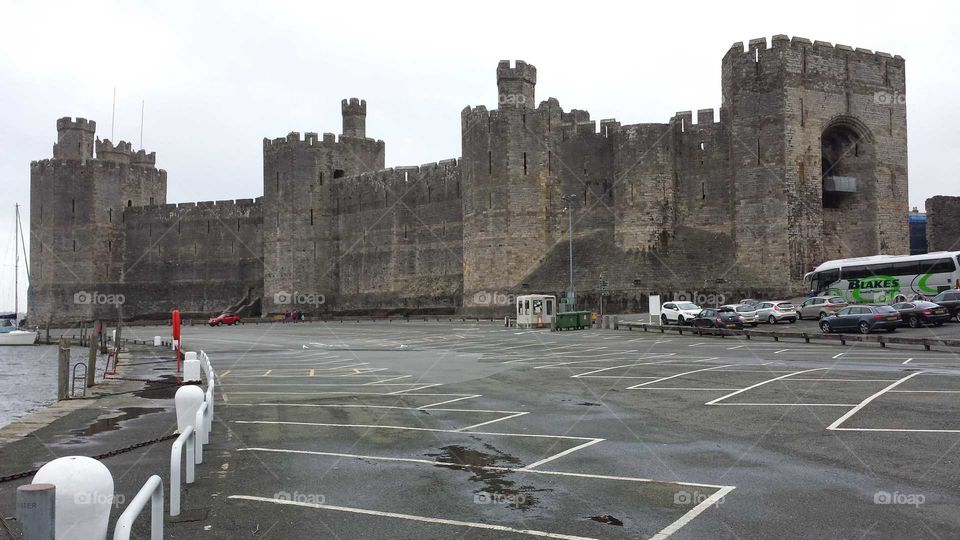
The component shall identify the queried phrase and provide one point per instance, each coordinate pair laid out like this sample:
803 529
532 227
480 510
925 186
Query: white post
84 496
157 341
187 400
191 367
153 490
173 344
176 452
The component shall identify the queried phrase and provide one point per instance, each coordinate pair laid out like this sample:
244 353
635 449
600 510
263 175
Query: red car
225 318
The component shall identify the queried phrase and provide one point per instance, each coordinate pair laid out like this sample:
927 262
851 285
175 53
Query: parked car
678 312
776 311
225 318
863 319
749 301
722 317
919 313
819 307
747 312
950 300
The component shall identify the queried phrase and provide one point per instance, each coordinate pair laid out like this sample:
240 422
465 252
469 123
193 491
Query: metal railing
152 490
189 438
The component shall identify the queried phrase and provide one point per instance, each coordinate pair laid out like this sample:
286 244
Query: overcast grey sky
218 77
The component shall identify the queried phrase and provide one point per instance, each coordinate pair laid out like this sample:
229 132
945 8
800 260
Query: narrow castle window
129 203
321 178
278 181
549 161
404 231
110 245
238 224
178 227
489 162
524 163
490 200
73 206
703 191
758 150
41 214
74 245
429 194
151 201
338 173
803 115
311 216
110 214
208 226
314 250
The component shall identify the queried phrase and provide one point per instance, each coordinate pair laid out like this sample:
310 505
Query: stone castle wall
731 201
943 223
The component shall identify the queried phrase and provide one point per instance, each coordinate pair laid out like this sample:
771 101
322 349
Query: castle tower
301 248
817 142
516 85
75 138
77 206
354 117
509 189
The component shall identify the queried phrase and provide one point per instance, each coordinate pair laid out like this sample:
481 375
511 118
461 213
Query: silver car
748 312
819 307
774 311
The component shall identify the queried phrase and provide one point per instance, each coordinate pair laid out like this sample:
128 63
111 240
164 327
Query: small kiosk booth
536 310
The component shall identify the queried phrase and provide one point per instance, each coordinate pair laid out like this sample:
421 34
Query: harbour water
28 379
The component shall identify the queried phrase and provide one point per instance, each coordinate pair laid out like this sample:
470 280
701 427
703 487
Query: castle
806 161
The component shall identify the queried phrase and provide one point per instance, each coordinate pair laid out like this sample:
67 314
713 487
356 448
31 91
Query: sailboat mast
16 265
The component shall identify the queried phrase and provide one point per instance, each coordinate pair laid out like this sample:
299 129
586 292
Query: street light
569 198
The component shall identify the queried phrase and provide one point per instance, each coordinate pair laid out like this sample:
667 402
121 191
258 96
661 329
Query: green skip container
573 320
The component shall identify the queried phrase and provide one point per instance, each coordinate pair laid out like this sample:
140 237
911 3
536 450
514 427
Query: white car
679 312
746 311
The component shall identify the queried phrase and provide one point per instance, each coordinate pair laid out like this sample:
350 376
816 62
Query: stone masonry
805 161
943 223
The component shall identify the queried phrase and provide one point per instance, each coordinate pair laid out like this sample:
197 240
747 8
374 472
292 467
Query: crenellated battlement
519 70
781 41
143 159
295 139
79 123
121 152
353 106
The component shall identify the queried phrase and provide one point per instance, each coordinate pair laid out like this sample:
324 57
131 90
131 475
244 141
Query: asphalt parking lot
472 430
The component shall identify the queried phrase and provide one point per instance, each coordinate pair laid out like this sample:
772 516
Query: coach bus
882 279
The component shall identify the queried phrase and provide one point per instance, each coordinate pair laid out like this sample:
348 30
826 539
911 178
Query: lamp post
569 198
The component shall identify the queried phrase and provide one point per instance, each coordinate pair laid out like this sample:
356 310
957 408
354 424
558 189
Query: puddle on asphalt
608 519
163 388
103 425
497 488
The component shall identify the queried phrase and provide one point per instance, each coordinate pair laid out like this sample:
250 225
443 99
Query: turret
120 153
74 138
354 117
515 85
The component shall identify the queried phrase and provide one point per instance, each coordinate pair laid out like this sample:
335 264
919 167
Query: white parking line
678 375
836 424
560 455
742 390
410 517
715 498
514 415
617 367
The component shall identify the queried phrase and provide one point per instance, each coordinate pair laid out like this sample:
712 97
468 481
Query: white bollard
84 496
173 344
191 367
187 399
157 341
